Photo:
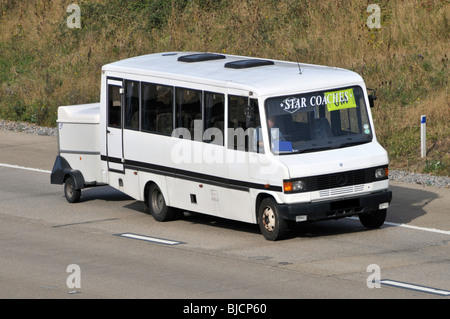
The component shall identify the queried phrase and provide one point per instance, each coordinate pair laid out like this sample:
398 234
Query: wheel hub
268 218
157 201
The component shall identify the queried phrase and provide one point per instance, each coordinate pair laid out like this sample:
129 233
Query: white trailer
254 140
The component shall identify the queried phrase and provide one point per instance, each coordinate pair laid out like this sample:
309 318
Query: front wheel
373 219
272 225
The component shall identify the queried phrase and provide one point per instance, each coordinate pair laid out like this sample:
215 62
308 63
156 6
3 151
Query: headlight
298 186
381 173
294 186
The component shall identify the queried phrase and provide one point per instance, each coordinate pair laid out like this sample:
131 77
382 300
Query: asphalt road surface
52 249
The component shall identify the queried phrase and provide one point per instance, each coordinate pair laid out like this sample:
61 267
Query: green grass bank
44 64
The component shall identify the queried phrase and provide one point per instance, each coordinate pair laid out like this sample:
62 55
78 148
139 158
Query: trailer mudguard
61 169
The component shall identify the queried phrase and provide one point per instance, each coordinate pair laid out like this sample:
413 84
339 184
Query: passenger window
244 125
157 108
188 109
132 93
114 107
214 116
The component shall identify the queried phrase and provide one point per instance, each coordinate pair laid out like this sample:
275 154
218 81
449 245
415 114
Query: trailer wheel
72 194
272 225
373 219
157 205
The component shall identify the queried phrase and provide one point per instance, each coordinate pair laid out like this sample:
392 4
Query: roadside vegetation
44 64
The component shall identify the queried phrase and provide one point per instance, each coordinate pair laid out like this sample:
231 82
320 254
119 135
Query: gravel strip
400 176
421 179
28 128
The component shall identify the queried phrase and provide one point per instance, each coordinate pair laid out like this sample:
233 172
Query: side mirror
372 97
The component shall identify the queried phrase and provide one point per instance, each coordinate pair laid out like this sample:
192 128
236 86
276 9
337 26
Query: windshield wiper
309 150
325 148
352 143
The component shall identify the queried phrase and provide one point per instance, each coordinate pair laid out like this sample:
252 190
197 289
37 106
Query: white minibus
254 140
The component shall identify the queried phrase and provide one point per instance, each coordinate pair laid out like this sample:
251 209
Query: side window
214 117
132 94
188 108
157 108
244 125
114 106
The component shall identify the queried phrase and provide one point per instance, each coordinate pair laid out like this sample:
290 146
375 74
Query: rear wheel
157 205
373 219
72 194
272 225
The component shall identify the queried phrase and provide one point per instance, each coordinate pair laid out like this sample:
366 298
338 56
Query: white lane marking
415 287
150 239
25 168
433 230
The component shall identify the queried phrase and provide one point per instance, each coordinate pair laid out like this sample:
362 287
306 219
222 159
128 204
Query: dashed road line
150 239
414 287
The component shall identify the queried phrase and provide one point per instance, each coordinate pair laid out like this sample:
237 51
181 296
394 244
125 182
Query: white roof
281 78
83 113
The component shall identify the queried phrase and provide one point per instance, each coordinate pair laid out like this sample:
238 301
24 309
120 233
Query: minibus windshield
317 121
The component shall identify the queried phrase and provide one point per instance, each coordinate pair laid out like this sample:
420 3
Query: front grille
340 180
341 191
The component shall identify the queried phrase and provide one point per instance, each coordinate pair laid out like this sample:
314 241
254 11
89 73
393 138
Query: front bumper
335 208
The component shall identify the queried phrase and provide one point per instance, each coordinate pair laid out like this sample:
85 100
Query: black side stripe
191 176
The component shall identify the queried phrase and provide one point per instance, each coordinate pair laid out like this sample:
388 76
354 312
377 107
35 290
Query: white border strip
415 287
25 168
432 230
150 239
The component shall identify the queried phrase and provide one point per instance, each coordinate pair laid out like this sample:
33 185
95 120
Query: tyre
373 219
157 205
72 194
272 225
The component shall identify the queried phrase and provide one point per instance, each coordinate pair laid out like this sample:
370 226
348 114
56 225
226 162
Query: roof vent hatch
248 63
200 57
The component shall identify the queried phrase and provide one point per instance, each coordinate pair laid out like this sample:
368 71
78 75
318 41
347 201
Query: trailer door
114 130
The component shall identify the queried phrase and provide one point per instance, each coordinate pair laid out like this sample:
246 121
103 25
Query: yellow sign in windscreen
339 100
